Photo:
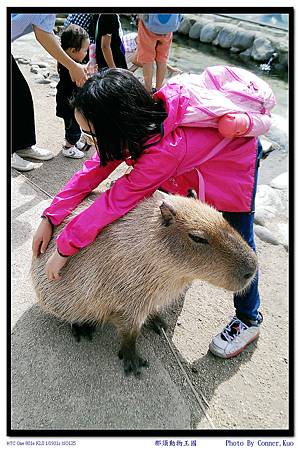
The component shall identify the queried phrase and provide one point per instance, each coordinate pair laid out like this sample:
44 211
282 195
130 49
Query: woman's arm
79 186
106 50
150 172
51 44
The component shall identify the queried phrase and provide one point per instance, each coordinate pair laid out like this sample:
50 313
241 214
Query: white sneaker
72 152
35 152
21 164
235 337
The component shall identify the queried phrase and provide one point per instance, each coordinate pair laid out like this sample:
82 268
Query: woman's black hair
72 37
124 115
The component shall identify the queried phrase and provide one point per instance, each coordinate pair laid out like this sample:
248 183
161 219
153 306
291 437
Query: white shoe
72 152
235 337
35 152
21 164
82 144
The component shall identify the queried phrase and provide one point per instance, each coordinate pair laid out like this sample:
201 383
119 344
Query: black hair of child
72 37
122 112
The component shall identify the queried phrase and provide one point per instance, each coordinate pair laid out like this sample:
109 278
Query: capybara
141 263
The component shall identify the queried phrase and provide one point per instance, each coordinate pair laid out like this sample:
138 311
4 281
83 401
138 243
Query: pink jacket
221 170
219 90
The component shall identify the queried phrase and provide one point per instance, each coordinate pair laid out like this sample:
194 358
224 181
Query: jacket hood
176 100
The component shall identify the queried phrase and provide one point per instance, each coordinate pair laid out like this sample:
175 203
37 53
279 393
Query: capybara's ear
192 194
168 213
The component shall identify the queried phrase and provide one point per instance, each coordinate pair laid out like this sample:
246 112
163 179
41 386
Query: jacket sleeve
150 171
259 124
80 185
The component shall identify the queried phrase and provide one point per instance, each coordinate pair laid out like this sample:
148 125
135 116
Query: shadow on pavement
59 384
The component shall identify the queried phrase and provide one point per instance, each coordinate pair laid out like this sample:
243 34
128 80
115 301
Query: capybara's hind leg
132 362
80 330
156 323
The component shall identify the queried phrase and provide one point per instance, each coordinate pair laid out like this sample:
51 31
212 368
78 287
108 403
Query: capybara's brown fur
141 263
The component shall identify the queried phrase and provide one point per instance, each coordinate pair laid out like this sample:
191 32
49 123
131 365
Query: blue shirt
21 24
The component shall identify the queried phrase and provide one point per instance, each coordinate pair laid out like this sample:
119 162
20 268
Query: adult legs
22 112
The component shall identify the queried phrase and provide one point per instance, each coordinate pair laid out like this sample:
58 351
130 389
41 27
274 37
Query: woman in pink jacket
152 134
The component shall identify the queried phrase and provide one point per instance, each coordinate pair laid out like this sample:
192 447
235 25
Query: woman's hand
78 73
54 264
42 237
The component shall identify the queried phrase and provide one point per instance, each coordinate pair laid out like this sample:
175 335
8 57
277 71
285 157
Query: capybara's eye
198 239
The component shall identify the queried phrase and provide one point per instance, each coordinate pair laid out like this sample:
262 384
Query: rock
234 50
39 78
40 64
282 45
281 181
195 30
263 214
185 26
267 146
22 60
45 73
265 235
278 131
243 39
260 218
35 69
227 36
284 233
216 40
262 49
246 55
268 198
209 32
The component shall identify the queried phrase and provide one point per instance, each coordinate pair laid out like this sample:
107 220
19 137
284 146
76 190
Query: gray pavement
59 384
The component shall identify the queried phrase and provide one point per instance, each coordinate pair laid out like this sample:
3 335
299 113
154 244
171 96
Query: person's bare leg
161 69
148 73
173 69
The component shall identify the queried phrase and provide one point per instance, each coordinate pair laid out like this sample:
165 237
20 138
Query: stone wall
248 40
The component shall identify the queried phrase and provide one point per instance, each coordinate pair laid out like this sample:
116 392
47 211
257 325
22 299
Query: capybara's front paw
132 362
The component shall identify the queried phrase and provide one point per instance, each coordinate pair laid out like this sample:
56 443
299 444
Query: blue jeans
247 305
72 131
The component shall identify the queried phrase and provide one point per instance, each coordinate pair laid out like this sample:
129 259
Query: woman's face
86 129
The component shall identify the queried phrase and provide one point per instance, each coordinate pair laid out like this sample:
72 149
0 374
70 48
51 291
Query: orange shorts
152 47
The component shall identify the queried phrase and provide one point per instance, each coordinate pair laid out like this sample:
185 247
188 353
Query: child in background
155 34
75 41
110 51
131 53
